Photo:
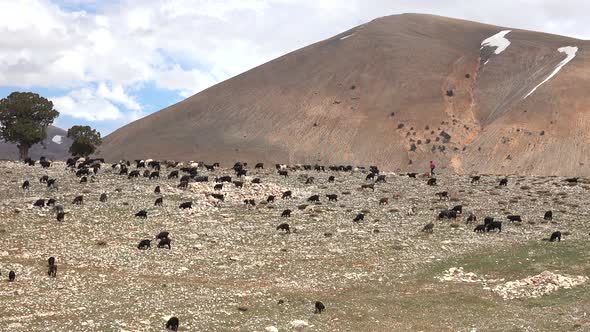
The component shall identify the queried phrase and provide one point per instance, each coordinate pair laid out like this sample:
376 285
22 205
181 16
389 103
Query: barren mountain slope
368 95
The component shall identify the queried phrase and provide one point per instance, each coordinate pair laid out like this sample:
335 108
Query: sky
106 63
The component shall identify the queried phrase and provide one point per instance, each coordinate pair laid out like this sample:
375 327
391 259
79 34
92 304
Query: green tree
85 140
24 118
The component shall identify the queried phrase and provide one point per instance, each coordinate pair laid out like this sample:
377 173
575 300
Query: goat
172 324
284 227
144 244
141 214
555 236
319 307
165 242
186 205
359 217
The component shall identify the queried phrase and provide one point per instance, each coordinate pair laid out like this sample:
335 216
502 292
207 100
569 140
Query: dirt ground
229 269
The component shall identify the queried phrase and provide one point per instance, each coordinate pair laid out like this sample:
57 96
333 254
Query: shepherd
432 167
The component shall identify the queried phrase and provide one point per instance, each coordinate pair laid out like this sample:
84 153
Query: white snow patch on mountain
498 41
345 37
57 139
570 51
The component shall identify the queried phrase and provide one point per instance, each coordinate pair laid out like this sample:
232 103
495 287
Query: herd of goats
87 169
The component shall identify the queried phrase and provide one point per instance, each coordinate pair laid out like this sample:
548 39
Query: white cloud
87 105
187 82
117 94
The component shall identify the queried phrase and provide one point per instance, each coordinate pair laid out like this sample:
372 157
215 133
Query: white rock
299 324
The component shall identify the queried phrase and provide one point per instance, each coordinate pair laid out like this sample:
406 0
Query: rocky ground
229 269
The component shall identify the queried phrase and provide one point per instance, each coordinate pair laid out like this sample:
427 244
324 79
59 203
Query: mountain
54 147
396 92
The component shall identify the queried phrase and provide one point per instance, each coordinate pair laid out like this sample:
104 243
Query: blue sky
105 63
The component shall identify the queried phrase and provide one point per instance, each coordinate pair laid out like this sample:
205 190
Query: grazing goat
79 200
480 228
359 217
368 186
447 214
219 197
52 268
555 236
165 242
141 214
186 205
39 203
548 215
172 324
144 244
284 227
514 218
314 198
494 225
319 307
442 194
162 235
222 179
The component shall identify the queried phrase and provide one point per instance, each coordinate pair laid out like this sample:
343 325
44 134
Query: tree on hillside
85 140
24 118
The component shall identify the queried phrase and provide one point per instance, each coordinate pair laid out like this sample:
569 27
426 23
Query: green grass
422 303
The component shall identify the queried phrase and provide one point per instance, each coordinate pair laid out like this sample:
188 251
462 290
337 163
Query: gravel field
229 269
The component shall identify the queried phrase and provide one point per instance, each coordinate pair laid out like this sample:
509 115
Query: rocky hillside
54 147
397 92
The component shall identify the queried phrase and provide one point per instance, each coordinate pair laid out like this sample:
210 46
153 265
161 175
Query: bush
445 136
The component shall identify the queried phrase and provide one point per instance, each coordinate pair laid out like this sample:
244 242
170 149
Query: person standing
432 167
